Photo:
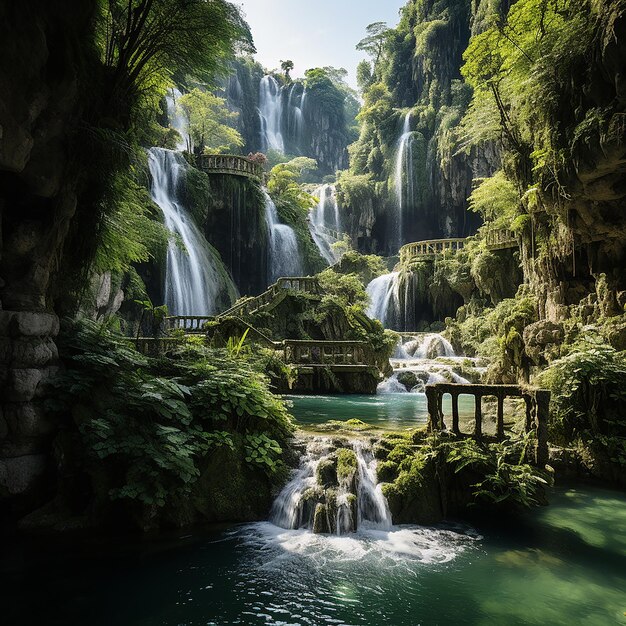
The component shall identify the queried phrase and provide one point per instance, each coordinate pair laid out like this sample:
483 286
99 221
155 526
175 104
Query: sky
314 33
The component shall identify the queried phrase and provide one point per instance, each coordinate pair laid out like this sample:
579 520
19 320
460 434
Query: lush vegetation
150 427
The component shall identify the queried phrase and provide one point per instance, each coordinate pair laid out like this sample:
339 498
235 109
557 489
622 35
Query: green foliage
148 425
366 266
129 232
208 120
283 182
589 395
496 199
235 345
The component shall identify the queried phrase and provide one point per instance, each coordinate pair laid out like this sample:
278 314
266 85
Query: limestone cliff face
421 75
585 220
311 123
40 82
236 227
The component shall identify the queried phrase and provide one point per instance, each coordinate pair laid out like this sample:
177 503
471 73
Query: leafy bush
147 425
589 398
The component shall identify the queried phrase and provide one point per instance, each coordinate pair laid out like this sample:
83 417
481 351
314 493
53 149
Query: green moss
346 464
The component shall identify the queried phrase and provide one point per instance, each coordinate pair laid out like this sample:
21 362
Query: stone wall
40 74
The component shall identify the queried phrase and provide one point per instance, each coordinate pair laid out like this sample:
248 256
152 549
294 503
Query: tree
364 75
283 182
207 119
144 41
377 34
287 66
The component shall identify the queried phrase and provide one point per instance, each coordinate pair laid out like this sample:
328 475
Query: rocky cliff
43 84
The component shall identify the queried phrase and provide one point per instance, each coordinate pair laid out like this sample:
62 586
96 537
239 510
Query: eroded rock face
39 111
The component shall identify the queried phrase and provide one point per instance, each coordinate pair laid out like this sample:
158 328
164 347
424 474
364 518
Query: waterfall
384 298
271 114
296 505
176 118
403 174
425 359
284 253
196 282
372 505
324 222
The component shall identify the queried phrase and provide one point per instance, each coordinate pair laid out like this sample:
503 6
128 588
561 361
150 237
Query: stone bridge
231 164
500 239
537 410
429 249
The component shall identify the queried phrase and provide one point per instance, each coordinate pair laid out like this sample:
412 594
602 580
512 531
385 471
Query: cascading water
404 180
196 281
425 359
324 222
176 118
284 252
271 114
384 298
297 505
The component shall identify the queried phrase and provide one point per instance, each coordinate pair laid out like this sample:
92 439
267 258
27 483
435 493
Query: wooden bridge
429 249
231 164
500 239
537 410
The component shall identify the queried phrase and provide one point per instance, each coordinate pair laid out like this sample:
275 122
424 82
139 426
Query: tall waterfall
293 508
176 119
404 180
271 114
284 252
325 223
384 298
196 281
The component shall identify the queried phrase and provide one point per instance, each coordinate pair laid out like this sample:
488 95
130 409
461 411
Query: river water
563 564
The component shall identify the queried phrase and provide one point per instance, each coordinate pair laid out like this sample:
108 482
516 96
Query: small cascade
325 223
271 114
404 180
322 499
384 298
372 505
177 119
424 359
284 252
196 281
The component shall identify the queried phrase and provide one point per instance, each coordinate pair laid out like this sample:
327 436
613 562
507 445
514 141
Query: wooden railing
191 324
298 352
231 164
429 249
500 239
537 410
306 284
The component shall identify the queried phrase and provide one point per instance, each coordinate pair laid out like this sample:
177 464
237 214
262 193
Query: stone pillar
29 360
433 408
455 414
500 417
478 417
542 399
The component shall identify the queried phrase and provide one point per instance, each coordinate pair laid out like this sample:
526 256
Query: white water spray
271 114
384 298
284 252
325 223
404 179
196 281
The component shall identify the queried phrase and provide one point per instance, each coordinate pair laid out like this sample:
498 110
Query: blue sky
314 33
